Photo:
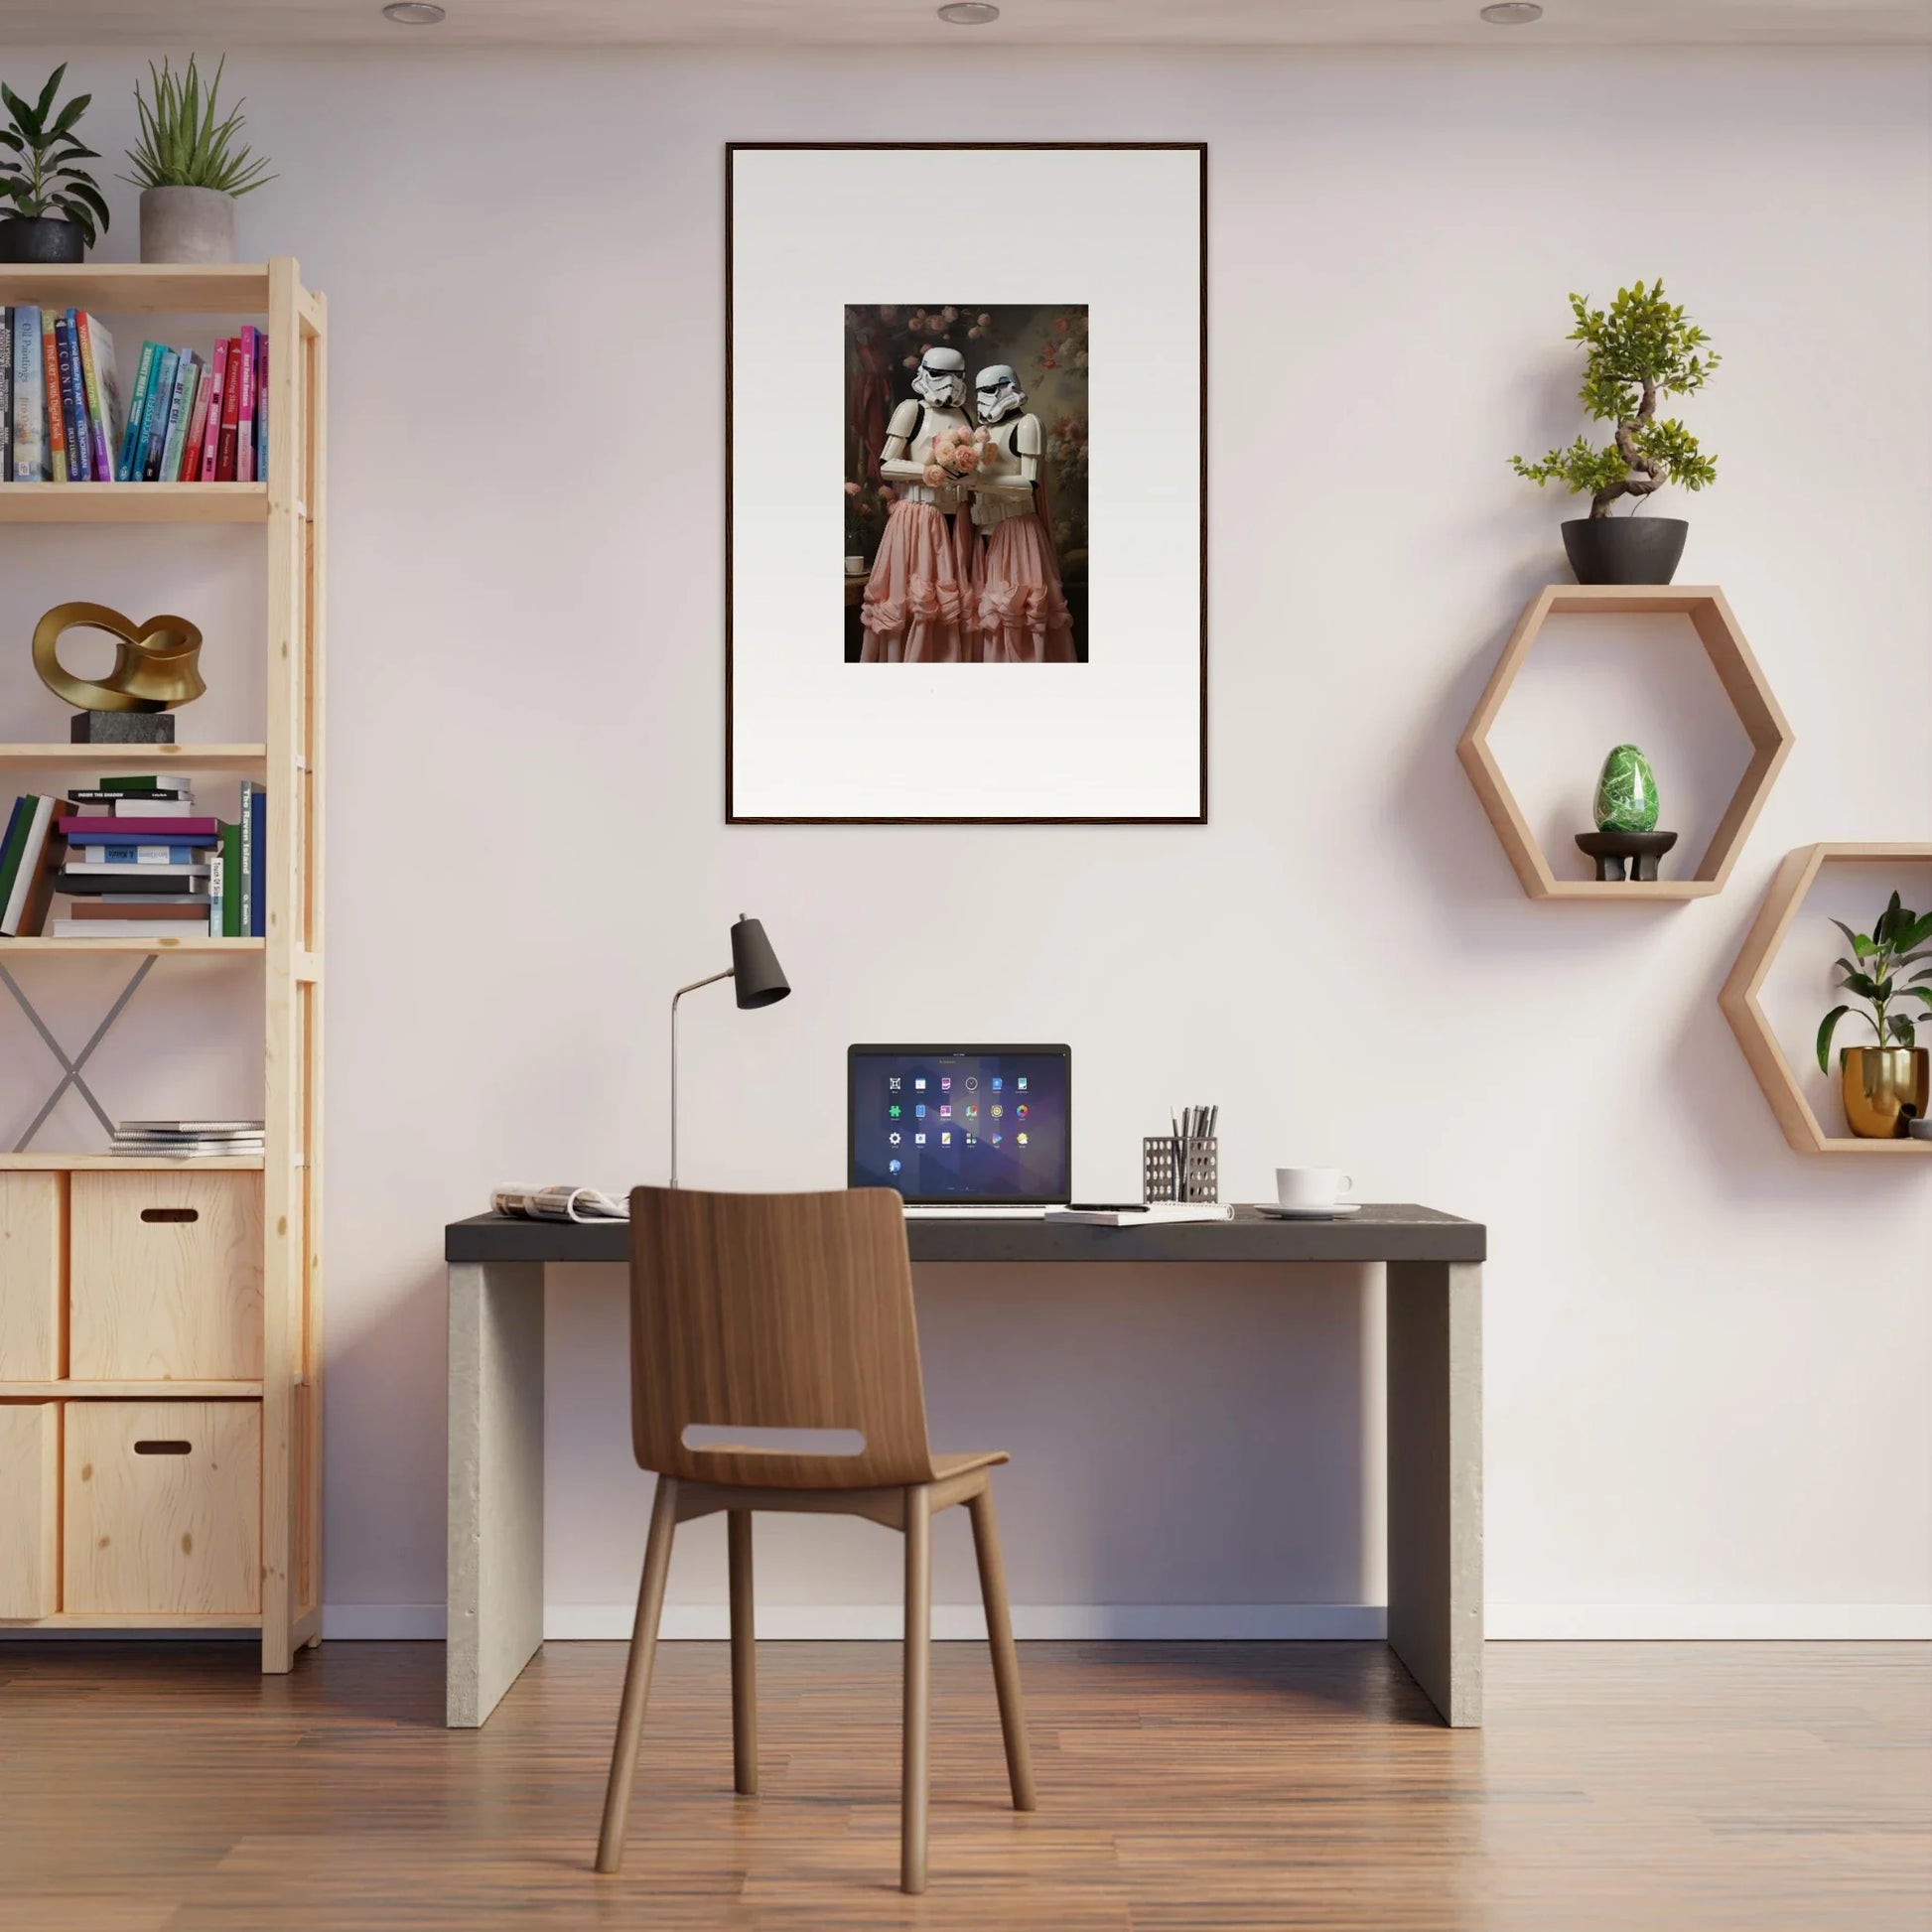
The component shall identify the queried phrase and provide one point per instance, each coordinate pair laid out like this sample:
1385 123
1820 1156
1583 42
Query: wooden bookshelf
285 514
134 503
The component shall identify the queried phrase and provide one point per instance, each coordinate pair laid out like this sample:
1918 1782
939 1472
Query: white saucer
1270 1211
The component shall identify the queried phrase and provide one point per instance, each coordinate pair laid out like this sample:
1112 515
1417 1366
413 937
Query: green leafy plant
183 145
1639 350
38 152
1897 940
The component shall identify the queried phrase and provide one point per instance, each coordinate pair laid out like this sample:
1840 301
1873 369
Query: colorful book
231 901
217 887
190 466
30 406
224 453
216 394
33 882
17 823
245 463
89 881
179 411
74 402
6 394
57 428
140 906
154 424
127 467
154 831
103 387
256 866
261 406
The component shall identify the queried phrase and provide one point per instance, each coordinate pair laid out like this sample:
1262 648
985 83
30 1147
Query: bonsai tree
1895 941
183 145
1637 350
37 150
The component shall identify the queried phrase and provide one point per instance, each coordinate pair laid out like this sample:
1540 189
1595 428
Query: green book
149 782
232 882
22 817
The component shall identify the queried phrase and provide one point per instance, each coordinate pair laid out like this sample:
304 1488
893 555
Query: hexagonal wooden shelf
1794 879
1744 683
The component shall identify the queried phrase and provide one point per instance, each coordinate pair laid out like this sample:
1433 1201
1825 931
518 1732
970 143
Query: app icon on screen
996 1140
1020 1112
892 1167
971 1080
997 1083
918 1110
918 1083
972 1113
945 1140
998 1110
891 1084
971 1141
945 1083
1020 1083
892 1110
1020 1137
893 1136
946 1112
919 1140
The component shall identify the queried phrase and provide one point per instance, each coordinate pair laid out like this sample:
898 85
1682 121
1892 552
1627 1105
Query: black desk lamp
760 981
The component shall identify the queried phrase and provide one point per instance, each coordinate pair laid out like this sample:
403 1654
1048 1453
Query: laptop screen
962 1124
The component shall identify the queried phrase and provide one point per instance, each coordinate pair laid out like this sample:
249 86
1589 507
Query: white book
124 930
1155 1214
152 808
120 868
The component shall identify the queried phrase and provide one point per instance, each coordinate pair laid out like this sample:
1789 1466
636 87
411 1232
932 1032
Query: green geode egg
1626 793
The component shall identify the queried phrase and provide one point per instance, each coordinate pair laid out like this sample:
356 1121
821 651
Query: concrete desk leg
1434 1329
495 1611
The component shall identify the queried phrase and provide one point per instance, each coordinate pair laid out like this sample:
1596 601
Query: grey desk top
1382 1231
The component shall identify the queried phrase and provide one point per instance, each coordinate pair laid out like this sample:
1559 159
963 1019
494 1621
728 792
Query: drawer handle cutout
163 1447
170 1214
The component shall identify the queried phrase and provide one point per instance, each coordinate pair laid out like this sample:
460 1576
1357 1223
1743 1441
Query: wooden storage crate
30 1508
32 1258
165 1277
162 1506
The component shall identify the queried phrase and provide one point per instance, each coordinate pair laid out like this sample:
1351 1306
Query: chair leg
744 1670
918 1688
1006 1660
636 1675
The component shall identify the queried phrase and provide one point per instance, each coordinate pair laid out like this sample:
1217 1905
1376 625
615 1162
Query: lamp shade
757 977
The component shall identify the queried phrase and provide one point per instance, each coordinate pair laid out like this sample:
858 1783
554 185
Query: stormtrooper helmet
941 379
1000 393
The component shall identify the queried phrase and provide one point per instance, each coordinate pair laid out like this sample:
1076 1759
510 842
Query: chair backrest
774 1311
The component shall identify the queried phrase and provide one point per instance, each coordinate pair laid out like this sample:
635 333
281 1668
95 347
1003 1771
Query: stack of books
137 862
187 1139
186 420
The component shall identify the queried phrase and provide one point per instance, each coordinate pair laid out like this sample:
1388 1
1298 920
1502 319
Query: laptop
973 1130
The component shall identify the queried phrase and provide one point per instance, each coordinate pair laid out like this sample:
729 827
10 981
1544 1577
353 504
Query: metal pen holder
1180 1170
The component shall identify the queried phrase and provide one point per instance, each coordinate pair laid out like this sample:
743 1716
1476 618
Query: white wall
1707 1359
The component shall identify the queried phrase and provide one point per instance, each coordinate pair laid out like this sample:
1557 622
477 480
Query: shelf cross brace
72 1076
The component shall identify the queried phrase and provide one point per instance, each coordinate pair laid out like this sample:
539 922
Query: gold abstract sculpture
154 662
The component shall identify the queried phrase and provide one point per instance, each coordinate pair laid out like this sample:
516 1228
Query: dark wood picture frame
732 150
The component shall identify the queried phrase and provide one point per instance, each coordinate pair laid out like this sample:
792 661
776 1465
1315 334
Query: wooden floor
1204 1786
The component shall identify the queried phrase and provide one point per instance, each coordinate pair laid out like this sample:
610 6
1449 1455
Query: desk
1435 1412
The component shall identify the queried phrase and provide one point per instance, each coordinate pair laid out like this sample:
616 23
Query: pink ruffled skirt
1021 614
919 602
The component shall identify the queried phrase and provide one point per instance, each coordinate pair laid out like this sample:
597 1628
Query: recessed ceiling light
1512 13
969 12
413 13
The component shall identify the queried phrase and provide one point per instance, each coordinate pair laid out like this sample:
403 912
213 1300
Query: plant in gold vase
1884 1085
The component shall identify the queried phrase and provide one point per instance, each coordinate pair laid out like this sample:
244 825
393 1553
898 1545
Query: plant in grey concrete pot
51 210
1637 351
189 168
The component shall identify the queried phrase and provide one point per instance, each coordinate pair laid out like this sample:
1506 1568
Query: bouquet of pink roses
957 452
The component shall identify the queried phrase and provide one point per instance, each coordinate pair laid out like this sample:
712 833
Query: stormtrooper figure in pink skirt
918 601
1020 611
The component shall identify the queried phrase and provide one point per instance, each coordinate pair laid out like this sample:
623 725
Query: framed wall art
966 483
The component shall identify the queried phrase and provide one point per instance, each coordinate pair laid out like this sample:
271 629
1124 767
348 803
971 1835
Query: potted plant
1884 1086
187 168
1639 351
49 209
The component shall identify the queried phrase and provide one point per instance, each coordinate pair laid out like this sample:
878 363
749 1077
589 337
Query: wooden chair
793 1312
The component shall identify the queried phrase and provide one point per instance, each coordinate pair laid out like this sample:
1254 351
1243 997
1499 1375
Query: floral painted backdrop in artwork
1046 345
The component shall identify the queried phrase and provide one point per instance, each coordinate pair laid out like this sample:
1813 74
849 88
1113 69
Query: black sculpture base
1611 849
122 728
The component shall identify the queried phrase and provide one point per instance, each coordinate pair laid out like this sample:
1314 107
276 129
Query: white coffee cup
1310 1186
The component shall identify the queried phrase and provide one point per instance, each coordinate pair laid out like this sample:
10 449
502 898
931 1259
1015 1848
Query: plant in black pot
1637 351
51 210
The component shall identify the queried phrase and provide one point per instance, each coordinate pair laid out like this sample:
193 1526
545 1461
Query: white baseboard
1708 1622
1196 1622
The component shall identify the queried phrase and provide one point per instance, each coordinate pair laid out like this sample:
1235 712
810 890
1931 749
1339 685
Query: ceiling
1285 23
